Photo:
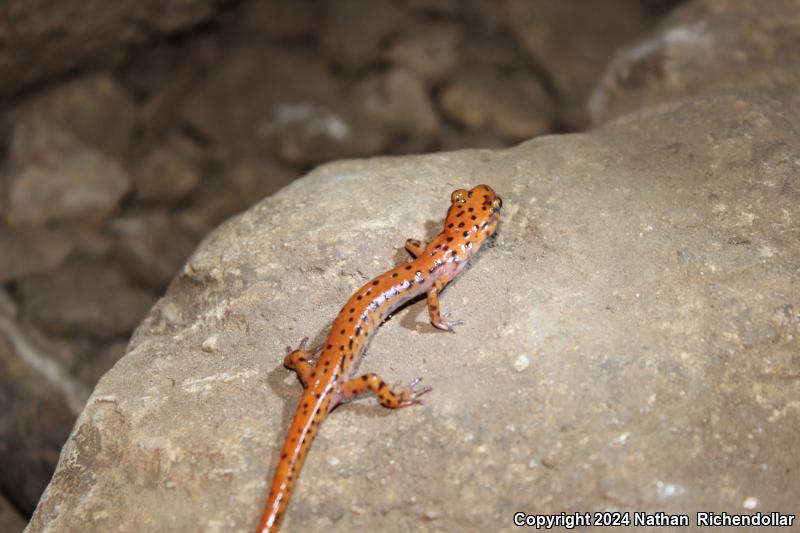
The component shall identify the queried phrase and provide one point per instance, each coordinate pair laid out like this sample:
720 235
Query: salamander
472 217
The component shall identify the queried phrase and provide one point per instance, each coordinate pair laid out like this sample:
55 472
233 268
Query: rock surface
700 46
630 343
54 177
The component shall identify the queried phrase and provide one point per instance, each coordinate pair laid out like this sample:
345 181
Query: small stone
399 101
436 7
169 172
303 120
210 344
353 31
27 251
521 362
150 247
750 502
52 177
430 51
214 201
84 298
311 135
515 105
278 18
93 108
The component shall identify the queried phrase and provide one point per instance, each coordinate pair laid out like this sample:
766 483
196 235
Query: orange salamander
472 217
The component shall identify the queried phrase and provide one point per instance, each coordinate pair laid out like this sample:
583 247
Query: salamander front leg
391 397
297 360
440 321
415 247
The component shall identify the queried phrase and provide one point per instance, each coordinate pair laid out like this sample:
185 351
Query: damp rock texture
631 339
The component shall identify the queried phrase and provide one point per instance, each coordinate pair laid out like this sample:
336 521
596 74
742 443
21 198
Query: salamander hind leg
415 247
297 360
392 397
441 321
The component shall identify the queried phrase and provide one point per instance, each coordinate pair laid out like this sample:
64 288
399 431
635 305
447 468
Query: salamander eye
459 196
498 203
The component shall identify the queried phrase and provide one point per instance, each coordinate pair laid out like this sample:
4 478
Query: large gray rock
630 343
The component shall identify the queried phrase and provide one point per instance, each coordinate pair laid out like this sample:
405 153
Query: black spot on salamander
330 346
318 395
350 319
470 209
358 297
459 213
450 226
352 356
327 363
460 224
341 332
351 344
365 377
485 196
352 309
446 248
408 267
394 274
466 234
314 374
375 282
431 270
437 246
381 385
284 456
449 239
341 347
358 330
473 217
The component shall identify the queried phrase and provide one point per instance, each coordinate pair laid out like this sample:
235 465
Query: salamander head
473 214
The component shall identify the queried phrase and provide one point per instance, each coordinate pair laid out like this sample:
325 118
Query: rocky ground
631 337
127 134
